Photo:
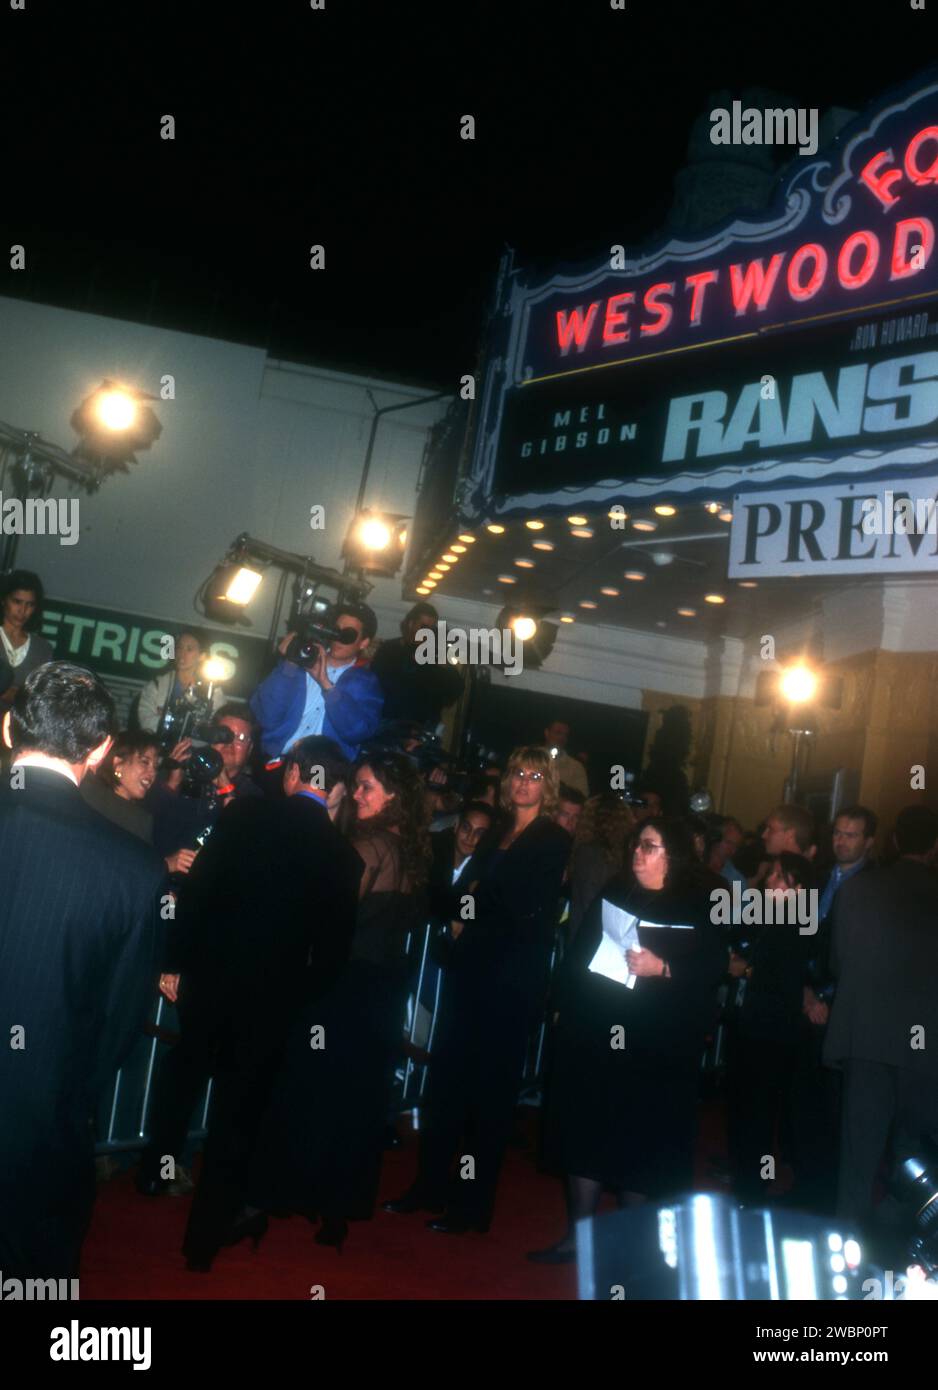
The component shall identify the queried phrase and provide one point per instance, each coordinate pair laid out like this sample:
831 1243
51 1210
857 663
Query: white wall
247 445
251 445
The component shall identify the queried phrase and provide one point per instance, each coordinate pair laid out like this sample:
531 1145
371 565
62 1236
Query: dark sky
341 127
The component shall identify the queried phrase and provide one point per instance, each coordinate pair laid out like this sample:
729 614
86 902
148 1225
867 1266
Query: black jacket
268 907
505 949
80 941
411 691
662 1018
885 958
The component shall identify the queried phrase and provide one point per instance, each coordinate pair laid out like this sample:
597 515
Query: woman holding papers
636 997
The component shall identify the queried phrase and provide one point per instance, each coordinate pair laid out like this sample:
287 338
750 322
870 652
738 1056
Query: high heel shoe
247 1227
333 1231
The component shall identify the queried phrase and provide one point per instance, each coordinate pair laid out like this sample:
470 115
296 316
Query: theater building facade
717 457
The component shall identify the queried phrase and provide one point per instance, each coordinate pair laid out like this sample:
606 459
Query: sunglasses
524 776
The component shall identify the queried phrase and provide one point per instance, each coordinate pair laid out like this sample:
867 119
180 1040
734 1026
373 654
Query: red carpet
133 1247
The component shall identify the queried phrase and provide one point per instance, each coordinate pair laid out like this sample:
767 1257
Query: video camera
315 632
427 753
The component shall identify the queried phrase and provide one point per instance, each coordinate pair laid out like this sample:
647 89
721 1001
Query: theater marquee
799 347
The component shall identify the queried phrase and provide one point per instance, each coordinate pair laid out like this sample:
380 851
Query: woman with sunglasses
636 996
495 985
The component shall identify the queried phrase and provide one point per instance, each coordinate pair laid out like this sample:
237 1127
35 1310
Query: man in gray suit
884 1022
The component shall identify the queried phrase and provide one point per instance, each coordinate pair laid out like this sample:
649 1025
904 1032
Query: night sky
341 127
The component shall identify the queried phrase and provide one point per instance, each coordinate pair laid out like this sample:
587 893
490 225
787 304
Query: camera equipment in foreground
703 1246
425 750
915 1185
315 633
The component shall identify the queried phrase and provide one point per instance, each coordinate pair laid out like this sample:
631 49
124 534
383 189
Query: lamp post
798 685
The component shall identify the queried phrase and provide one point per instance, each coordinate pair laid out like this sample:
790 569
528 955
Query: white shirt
41 760
15 655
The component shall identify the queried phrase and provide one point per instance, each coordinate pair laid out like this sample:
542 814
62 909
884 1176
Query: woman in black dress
636 996
494 988
322 1145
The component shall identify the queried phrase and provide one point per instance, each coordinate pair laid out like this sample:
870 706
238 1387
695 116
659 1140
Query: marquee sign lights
860 240
641 368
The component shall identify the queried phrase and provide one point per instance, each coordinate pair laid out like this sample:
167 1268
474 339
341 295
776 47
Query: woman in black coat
494 989
321 1149
635 999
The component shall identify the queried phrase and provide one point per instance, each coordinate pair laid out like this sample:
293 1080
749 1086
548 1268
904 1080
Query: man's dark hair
572 794
916 830
25 579
481 807
237 709
195 632
316 751
63 711
863 813
417 611
361 611
479 782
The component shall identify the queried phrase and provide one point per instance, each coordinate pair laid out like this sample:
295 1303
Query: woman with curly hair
495 985
323 1142
599 852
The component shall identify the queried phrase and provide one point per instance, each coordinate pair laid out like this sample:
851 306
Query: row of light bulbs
582 531
450 557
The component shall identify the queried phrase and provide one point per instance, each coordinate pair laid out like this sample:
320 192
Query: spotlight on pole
537 635
798 684
376 542
113 425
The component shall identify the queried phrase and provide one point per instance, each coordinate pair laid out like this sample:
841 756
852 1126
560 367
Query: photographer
334 694
179 819
177 684
413 690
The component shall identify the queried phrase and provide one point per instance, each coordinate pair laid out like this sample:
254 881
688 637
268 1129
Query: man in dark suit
883 1028
264 922
80 941
814 1092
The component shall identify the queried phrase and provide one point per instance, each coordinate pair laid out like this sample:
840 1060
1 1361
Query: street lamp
798 686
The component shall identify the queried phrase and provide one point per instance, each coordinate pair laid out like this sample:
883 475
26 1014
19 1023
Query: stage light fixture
114 424
375 542
535 632
229 590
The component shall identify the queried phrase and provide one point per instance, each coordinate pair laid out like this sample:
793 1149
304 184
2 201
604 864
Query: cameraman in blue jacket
336 696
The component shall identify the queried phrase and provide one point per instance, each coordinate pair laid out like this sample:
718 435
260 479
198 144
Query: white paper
620 934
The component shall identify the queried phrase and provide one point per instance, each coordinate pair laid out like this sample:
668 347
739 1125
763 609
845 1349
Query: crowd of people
274 887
